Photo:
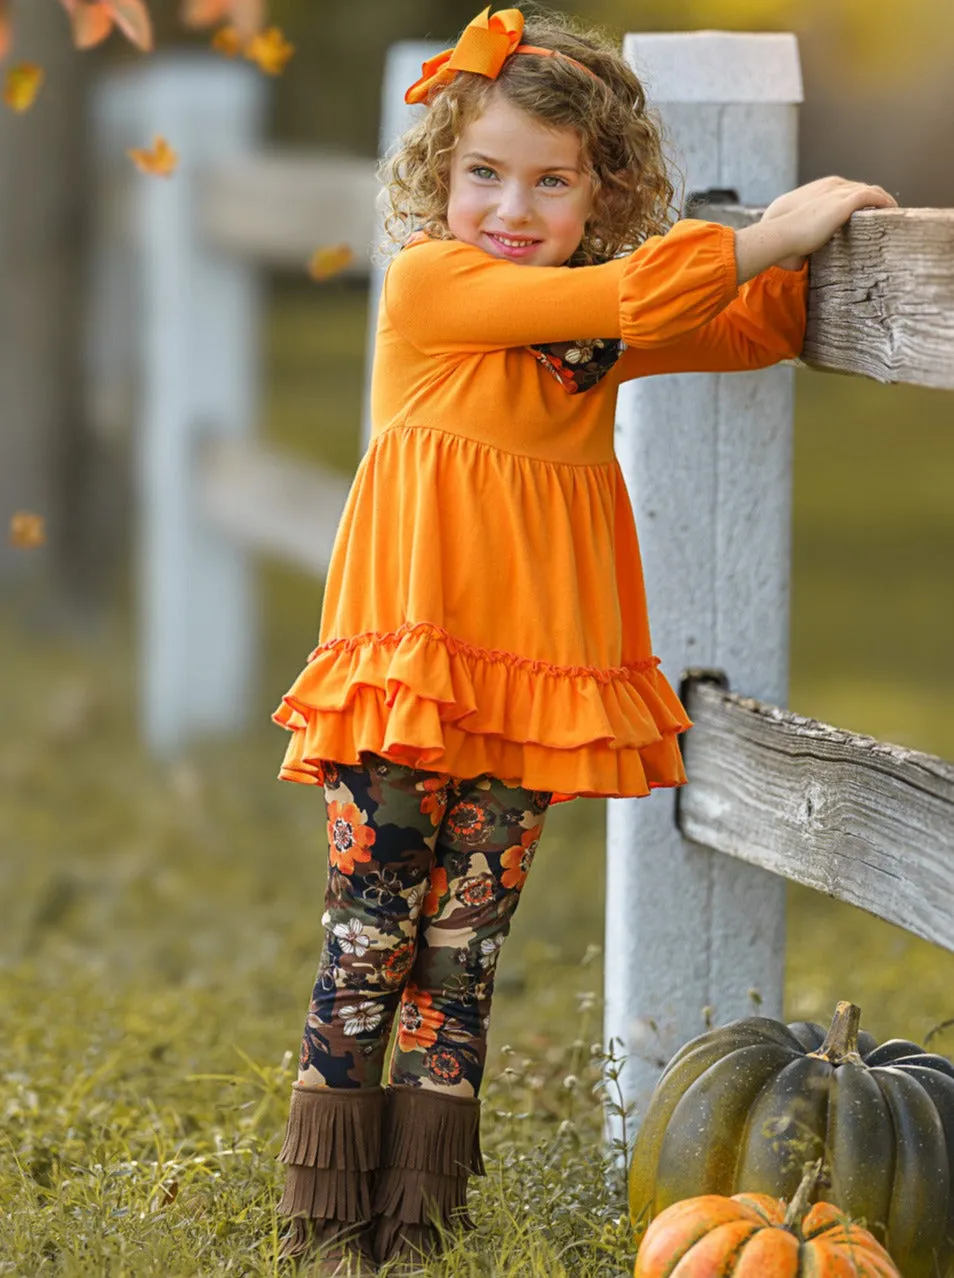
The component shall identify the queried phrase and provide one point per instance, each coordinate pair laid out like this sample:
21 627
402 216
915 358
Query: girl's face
517 188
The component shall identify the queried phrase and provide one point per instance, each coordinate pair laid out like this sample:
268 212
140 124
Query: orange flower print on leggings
420 1021
469 822
436 891
349 840
434 803
518 859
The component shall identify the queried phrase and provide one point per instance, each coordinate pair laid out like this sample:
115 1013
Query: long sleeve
764 324
445 296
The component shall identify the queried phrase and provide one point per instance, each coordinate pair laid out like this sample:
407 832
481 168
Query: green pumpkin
743 1107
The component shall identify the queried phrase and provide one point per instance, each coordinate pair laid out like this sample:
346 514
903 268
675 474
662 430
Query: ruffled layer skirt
422 699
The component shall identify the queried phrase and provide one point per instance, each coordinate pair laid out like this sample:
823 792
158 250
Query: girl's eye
482 172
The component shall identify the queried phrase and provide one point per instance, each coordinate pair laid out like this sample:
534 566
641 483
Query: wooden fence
695 882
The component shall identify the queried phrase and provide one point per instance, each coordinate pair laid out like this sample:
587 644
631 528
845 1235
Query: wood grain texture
881 299
862 820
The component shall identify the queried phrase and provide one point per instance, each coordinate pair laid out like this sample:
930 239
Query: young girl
484 647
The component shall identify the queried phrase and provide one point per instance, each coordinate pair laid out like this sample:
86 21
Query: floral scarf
580 364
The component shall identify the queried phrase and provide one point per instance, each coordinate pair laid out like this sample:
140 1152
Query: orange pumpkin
756 1236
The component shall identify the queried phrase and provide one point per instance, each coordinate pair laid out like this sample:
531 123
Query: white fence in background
175 346
695 890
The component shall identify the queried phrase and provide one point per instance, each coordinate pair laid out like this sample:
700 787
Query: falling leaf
26 530
329 261
247 16
161 161
93 20
92 23
23 82
270 50
227 41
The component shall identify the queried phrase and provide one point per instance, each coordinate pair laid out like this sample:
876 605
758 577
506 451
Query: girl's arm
764 324
447 297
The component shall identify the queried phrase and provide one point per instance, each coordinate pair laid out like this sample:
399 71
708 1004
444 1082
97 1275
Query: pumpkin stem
798 1207
841 1041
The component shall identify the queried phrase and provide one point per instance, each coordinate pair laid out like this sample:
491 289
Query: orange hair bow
485 45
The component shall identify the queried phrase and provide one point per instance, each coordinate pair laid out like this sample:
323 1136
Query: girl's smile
518 189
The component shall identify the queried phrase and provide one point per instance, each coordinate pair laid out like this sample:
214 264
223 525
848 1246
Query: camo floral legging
424 876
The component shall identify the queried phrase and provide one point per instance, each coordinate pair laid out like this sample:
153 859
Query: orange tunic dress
484 609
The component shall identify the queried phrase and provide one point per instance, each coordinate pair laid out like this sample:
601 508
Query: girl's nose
514 203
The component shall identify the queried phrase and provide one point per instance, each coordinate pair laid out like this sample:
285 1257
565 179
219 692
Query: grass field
159 923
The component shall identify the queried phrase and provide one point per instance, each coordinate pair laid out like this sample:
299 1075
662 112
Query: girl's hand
801 221
817 209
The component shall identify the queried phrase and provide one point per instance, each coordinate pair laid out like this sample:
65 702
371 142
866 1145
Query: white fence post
707 458
196 313
402 67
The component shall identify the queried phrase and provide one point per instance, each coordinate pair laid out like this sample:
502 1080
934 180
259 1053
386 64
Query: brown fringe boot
431 1146
332 1148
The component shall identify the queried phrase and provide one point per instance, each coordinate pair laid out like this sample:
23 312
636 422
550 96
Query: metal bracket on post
695 674
696 200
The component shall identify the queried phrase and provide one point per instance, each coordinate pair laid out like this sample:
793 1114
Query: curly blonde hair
622 140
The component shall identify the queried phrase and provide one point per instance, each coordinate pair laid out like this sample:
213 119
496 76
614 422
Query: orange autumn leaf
161 161
26 530
23 82
93 20
329 261
227 41
247 16
270 51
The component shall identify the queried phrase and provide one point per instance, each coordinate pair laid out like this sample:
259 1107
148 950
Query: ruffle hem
423 699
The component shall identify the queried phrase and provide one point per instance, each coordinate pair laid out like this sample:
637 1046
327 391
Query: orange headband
484 47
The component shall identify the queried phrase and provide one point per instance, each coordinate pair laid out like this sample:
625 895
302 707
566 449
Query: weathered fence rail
276 207
881 300
856 818
266 501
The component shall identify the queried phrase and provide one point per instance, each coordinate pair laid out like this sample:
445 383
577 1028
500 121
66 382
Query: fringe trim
333 1148
415 1196
426 1131
326 1194
336 1127
431 1147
